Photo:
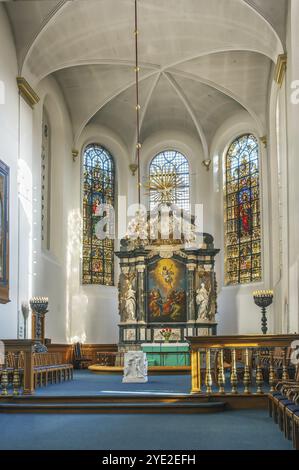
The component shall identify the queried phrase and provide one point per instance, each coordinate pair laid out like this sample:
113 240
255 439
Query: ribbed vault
201 61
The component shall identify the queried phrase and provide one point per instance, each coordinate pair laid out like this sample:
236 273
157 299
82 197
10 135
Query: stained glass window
242 212
171 161
98 188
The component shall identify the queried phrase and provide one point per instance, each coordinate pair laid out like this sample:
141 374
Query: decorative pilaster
191 317
140 295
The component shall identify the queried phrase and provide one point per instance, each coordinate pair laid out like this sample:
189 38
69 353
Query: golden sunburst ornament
164 187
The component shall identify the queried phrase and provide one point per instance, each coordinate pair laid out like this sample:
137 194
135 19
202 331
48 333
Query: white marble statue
202 302
130 303
135 367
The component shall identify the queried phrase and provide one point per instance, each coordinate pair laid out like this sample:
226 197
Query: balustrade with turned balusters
241 365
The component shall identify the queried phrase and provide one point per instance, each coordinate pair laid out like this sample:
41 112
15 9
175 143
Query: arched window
242 212
172 162
98 188
45 182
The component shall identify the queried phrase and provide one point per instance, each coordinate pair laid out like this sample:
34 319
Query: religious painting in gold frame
4 233
167 291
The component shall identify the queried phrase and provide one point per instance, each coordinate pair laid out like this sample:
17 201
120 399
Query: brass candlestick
263 299
39 306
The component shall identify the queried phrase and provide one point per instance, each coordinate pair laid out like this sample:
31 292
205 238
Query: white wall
9 154
293 163
278 194
50 266
284 167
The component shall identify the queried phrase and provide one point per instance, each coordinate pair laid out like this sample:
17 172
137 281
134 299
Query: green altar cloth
167 354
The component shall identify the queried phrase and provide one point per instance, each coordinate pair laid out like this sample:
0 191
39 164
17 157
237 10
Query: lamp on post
263 299
39 307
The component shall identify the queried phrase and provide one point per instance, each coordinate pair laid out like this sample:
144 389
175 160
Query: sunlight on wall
2 92
25 189
25 247
78 339
216 173
76 302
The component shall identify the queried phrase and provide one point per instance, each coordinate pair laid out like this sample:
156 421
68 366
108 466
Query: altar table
167 354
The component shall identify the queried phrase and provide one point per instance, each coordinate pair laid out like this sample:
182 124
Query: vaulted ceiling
201 61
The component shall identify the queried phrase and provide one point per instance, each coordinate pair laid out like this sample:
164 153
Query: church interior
149 225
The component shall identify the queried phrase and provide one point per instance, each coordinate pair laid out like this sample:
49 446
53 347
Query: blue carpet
231 430
89 383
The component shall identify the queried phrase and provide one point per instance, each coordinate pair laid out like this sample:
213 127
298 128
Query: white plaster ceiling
201 61
28 18
275 11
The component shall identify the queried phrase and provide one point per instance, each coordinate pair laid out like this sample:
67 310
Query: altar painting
167 291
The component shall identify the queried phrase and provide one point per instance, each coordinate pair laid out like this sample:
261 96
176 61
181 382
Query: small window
172 162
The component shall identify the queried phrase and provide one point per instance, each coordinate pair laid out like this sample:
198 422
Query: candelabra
263 299
39 304
39 307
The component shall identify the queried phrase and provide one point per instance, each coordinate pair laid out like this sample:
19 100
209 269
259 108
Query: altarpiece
166 284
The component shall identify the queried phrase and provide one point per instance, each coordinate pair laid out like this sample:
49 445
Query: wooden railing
23 369
239 364
14 351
